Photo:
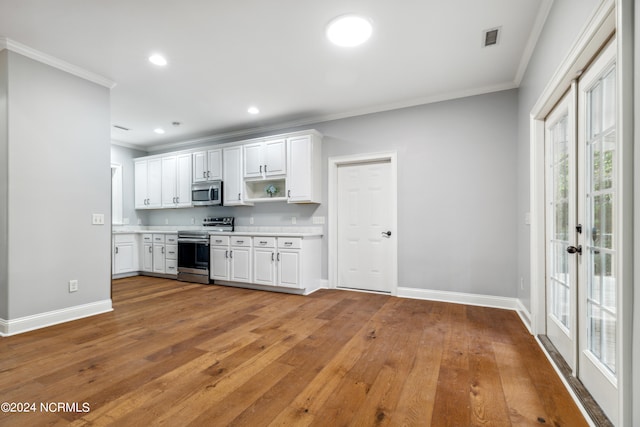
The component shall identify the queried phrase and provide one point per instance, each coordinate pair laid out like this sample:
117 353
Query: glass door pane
600 241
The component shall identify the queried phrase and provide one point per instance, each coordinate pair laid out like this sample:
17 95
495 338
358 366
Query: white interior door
364 219
562 231
598 210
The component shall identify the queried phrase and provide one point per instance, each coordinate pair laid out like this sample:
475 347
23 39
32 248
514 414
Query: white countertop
259 231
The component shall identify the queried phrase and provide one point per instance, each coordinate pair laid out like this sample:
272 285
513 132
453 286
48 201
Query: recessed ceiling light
159 131
253 110
158 60
349 30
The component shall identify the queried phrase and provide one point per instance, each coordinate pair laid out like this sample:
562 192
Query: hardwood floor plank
174 353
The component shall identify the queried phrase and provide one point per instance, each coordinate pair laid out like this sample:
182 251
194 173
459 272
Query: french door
582 243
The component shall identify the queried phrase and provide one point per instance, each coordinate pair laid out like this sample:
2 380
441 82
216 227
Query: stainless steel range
193 249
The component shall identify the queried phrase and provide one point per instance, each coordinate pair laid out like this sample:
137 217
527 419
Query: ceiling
225 56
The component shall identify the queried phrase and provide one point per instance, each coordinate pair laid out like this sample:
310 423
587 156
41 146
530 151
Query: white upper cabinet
276 169
207 165
303 169
148 184
233 188
265 159
176 181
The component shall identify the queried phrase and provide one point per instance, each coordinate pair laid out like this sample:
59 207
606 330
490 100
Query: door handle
574 249
386 233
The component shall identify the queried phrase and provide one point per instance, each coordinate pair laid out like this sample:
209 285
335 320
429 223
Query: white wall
59 168
564 23
456 184
4 182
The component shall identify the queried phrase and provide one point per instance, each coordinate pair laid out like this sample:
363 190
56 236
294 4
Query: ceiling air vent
121 127
491 37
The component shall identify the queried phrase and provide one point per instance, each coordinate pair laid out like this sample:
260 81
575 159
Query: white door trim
610 16
334 163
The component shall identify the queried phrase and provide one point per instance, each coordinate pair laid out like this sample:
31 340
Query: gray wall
4 182
456 191
58 152
124 156
564 23
636 296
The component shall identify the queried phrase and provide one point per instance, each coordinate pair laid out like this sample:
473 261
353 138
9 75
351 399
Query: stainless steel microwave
206 194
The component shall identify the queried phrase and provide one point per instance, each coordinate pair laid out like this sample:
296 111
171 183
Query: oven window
193 255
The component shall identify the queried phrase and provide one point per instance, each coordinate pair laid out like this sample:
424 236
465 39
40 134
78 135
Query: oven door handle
202 242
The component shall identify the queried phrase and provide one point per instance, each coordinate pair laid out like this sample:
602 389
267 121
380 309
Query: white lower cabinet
159 253
125 254
230 258
277 261
219 257
264 260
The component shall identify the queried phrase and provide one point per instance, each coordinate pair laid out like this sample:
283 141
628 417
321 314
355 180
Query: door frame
612 16
333 164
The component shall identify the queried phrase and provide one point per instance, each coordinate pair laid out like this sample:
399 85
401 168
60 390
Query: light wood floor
180 354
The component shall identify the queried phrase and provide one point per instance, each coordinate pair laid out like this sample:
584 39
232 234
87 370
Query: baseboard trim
525 315
459 298
50 318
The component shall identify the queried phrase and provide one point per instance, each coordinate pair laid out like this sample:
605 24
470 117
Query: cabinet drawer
264 242
123 238
158 238
219 240
147 238
289 242
171 239
244 241
171 252
171 266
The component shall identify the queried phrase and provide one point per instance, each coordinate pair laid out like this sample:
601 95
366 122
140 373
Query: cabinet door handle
204 174
278 258
260 168
177 199
162 249
150 249
116 249
226 254
289 193
231 254
272 256
208 174
238 196
265 168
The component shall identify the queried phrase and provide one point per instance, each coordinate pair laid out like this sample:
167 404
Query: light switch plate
319 220
97 219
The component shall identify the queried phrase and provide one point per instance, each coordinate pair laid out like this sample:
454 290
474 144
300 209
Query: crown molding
129 145
36 55
534 35
252 132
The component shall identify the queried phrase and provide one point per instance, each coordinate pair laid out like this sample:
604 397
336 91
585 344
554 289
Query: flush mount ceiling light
253 110
158 60
349 30
159 131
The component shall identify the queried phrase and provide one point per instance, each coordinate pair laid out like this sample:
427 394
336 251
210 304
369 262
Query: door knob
574 249
386 233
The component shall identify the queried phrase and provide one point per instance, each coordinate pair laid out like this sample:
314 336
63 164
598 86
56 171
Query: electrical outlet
293 220
166 221
250 220
193 221
522 283
97 219
319 220
139 221
73 285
